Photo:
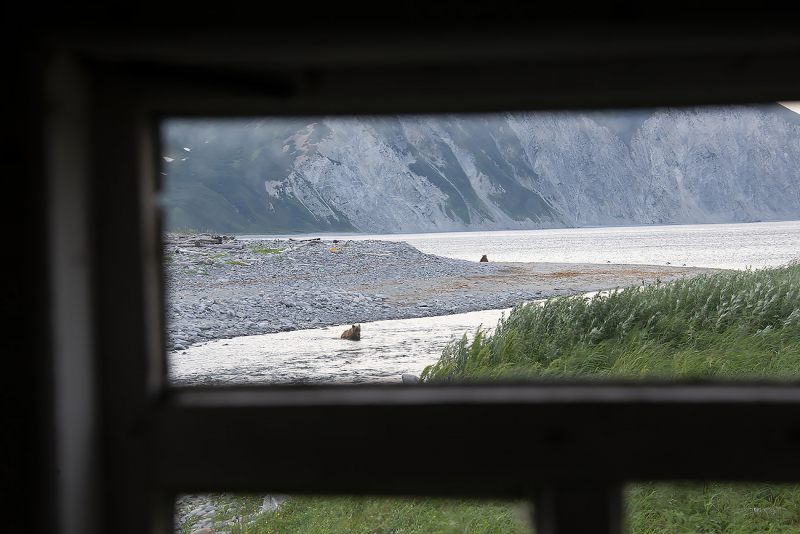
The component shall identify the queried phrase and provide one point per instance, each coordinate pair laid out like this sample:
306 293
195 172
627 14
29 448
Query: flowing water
393 348
388 350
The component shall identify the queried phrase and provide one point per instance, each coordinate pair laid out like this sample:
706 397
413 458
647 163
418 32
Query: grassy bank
726 326
730 325
712 508
649 509
325 515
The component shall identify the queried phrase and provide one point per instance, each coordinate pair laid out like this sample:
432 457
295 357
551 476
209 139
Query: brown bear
353 333
484 258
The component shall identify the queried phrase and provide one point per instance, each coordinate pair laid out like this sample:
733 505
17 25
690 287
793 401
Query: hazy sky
794 106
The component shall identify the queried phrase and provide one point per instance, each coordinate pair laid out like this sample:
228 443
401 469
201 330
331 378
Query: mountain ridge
395 174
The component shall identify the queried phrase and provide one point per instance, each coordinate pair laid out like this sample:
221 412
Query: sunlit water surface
389 349
724 246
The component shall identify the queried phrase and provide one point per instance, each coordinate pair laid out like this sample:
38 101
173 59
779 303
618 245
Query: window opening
298 229
256 222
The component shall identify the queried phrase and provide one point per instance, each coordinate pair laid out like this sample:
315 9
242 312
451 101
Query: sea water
723 246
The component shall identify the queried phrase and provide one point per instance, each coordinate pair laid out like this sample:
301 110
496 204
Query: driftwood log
201 241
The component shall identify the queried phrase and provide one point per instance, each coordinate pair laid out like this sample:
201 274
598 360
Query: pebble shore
220 513
260 286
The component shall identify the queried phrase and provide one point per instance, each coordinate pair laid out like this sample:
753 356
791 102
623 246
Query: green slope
221 184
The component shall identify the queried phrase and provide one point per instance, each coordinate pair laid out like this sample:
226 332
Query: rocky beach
221 287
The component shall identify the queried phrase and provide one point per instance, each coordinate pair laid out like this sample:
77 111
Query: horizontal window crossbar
481 441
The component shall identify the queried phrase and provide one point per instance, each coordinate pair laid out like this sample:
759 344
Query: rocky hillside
510 171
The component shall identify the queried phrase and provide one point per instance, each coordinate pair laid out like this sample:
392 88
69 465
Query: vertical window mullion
579 506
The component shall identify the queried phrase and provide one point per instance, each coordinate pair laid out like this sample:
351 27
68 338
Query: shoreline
219 288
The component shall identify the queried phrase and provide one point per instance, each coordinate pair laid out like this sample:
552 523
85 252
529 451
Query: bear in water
353 333
484 258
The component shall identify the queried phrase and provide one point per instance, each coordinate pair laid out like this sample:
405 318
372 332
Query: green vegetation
195 272
263 250
649 509
731 325
322 515
235 262
729 508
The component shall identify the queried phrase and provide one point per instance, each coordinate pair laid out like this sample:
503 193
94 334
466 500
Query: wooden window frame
126 443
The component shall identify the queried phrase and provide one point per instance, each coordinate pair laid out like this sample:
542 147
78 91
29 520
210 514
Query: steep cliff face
719 165
423 174
586 171
515 170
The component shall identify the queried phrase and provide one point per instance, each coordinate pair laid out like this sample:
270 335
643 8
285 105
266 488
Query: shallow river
387 350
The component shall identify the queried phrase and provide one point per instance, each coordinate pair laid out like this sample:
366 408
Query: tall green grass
729 325
720 508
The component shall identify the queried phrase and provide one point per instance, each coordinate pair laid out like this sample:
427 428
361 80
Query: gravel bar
221 287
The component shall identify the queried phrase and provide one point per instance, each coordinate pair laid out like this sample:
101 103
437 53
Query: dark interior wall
456 57
28 422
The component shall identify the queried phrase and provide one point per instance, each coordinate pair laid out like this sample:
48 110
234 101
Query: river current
406 346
